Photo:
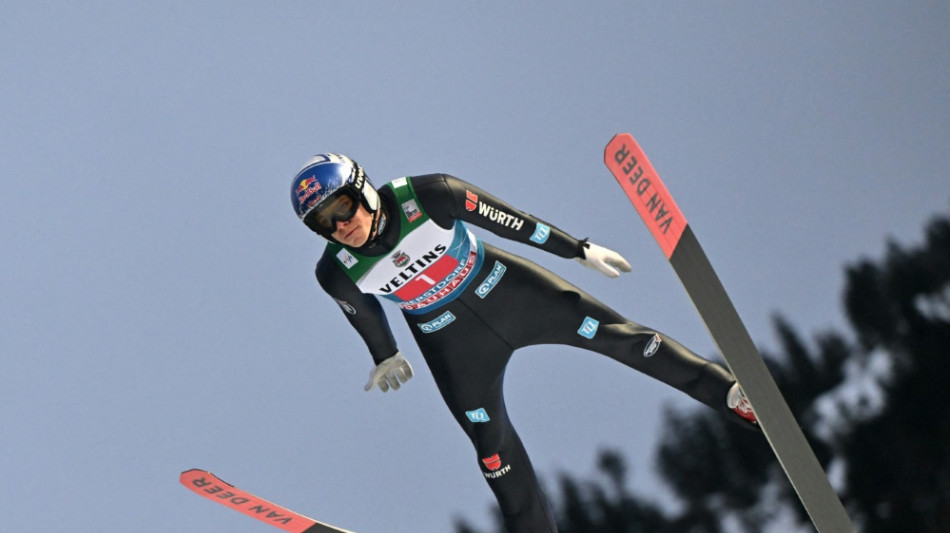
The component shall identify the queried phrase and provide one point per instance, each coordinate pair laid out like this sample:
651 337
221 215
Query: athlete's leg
468 360
541 308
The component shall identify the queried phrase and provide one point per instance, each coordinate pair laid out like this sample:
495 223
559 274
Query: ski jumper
470 305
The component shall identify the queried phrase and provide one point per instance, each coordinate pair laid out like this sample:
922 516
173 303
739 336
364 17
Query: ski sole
207 485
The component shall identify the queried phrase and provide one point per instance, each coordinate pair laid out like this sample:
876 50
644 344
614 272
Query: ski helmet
330 188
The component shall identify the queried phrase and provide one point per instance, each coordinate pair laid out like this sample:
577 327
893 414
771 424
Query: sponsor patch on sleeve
541 233
588 328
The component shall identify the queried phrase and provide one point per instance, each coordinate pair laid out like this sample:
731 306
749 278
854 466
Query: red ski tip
645 190
207 485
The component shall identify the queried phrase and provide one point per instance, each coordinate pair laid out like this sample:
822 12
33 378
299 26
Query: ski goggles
338 208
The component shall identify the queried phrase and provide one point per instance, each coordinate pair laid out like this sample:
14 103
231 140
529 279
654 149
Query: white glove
603 260
390 373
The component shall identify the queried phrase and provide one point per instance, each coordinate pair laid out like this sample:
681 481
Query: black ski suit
470 314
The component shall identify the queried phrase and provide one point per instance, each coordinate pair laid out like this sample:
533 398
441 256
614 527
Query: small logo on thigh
478 415
652 346
486 287
588 328
437 323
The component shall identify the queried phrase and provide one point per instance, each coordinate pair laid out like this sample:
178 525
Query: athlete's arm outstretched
446 197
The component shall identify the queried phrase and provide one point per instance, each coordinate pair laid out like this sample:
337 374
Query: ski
643 187
206 484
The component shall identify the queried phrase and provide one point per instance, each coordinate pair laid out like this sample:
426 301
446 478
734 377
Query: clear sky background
158 309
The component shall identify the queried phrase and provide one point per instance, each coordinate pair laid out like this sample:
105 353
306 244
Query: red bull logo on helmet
307 195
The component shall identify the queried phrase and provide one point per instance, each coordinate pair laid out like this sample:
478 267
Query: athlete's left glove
390 373
601 259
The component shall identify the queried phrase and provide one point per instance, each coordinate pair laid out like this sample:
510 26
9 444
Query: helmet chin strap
377 226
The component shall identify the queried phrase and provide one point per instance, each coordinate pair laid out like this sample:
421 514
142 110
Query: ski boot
736 400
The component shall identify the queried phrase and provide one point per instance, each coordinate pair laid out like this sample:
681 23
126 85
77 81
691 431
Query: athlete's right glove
390 373
601 259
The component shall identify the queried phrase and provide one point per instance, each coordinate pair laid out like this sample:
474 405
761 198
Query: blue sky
157 304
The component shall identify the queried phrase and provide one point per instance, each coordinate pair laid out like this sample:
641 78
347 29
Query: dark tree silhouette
898 457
